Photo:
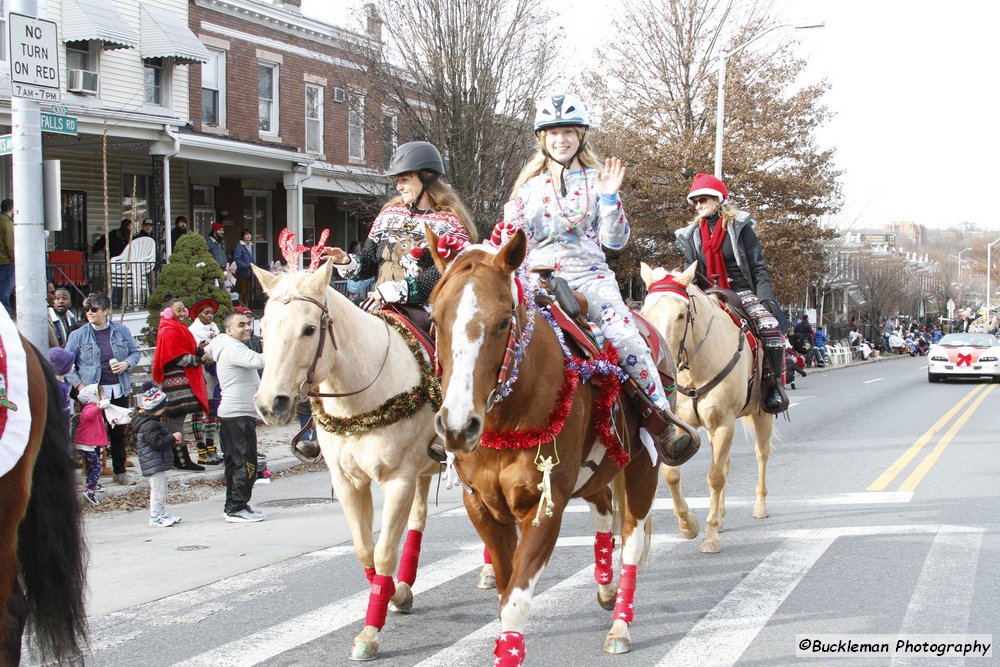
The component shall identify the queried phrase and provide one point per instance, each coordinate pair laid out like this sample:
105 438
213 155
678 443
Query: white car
964 355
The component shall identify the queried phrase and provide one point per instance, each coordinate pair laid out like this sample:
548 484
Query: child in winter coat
91 435
155 445
62 364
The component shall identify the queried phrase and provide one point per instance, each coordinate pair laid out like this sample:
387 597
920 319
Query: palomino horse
520 469
374 414
41 539
718 382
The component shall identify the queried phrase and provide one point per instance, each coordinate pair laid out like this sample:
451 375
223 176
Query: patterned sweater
397 250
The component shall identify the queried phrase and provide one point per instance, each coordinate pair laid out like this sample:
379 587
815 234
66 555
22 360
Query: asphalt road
883 503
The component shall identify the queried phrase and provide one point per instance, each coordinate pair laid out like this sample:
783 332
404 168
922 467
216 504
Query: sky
914 91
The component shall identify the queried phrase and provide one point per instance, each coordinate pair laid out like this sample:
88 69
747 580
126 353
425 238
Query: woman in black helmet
395 251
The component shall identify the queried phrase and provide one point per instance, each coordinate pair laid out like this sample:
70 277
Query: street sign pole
29 232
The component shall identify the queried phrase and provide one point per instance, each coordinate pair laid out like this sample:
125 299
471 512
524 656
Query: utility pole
34 77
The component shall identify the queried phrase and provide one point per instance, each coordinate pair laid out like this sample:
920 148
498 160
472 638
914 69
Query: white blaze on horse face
514 615
464 354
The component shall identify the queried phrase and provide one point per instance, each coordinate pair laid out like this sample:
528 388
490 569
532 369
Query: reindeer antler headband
291 250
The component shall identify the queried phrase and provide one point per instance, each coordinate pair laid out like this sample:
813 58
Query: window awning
84 20
166 36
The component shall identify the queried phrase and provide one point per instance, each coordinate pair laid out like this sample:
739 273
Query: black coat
154 443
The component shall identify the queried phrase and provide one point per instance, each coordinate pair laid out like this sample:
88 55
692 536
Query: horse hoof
606 597
689 527
363 651
711 546
402 600
760 512
487 579
617 645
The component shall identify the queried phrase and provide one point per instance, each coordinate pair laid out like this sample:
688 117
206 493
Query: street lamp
989 266
720 108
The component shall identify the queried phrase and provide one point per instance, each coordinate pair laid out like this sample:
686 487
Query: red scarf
711 244
173 340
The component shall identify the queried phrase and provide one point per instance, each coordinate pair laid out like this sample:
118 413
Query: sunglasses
701 200
94 309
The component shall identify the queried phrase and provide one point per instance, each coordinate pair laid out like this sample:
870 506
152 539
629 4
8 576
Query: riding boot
182 460
675 440
774 398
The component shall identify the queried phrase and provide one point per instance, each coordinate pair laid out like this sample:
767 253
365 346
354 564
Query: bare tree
658 113
463 76
881 280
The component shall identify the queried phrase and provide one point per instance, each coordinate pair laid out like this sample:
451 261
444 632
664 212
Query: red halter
668 285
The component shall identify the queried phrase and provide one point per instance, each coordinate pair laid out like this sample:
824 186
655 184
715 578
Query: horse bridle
325 326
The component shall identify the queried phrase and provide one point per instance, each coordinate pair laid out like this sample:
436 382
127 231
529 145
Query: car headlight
939 358
987 358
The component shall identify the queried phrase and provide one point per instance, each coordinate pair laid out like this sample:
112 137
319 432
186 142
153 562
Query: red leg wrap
604 549
486 556
370 574
411 555
378 600
626 594
509 650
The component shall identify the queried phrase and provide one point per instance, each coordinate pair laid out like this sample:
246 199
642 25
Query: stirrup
676 448
307 451
436 451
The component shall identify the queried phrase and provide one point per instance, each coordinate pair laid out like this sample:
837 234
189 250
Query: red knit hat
217 227
706 184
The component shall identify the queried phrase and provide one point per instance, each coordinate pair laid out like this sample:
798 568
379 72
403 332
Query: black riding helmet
417 157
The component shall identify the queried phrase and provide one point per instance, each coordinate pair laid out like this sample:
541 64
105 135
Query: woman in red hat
177 369
722 240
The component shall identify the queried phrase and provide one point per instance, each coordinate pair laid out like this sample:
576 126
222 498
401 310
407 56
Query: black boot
774 398
182 460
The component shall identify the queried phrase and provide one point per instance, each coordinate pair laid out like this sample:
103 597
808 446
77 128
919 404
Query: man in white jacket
236 366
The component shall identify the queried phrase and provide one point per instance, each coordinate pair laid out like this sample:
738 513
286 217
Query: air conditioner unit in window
339 95
82 81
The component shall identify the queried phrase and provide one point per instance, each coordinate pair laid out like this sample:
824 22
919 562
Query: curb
815 370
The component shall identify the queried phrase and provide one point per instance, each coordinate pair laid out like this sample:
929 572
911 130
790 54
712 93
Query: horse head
474 309
668 301
297 329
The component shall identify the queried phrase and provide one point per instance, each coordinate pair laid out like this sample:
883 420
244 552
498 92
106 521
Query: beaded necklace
585 213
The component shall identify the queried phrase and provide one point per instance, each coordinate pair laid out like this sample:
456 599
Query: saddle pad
15 412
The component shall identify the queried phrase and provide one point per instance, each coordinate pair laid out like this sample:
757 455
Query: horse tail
50 547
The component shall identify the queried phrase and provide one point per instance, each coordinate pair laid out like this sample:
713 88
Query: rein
326 325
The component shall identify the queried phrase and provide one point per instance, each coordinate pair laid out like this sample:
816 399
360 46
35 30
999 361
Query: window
356 127
213 89
156 81
81 55
135 196
267 109
390 125
314 118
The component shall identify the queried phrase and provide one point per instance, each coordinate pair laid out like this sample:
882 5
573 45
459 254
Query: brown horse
519 467
42 555
718 382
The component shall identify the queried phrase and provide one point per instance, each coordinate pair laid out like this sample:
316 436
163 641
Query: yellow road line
890 474
911 482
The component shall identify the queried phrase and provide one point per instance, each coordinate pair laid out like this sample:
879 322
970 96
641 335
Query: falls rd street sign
6 144
58 124
34 58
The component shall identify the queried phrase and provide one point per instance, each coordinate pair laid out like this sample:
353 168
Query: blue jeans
7 286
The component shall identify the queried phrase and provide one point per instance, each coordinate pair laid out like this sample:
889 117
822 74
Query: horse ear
687 277
266 279
320 278
512 253
646 273
432 245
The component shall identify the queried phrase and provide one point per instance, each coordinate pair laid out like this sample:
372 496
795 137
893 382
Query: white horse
716 365
374 421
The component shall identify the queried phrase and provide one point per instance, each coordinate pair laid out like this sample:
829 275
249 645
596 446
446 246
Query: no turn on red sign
34 58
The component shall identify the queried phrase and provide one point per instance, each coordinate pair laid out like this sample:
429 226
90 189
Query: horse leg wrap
370 574
509 650
486 556
604 548
411 555
378 600
624 606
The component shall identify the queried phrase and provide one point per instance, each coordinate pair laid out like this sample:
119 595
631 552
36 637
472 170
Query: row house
243 112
